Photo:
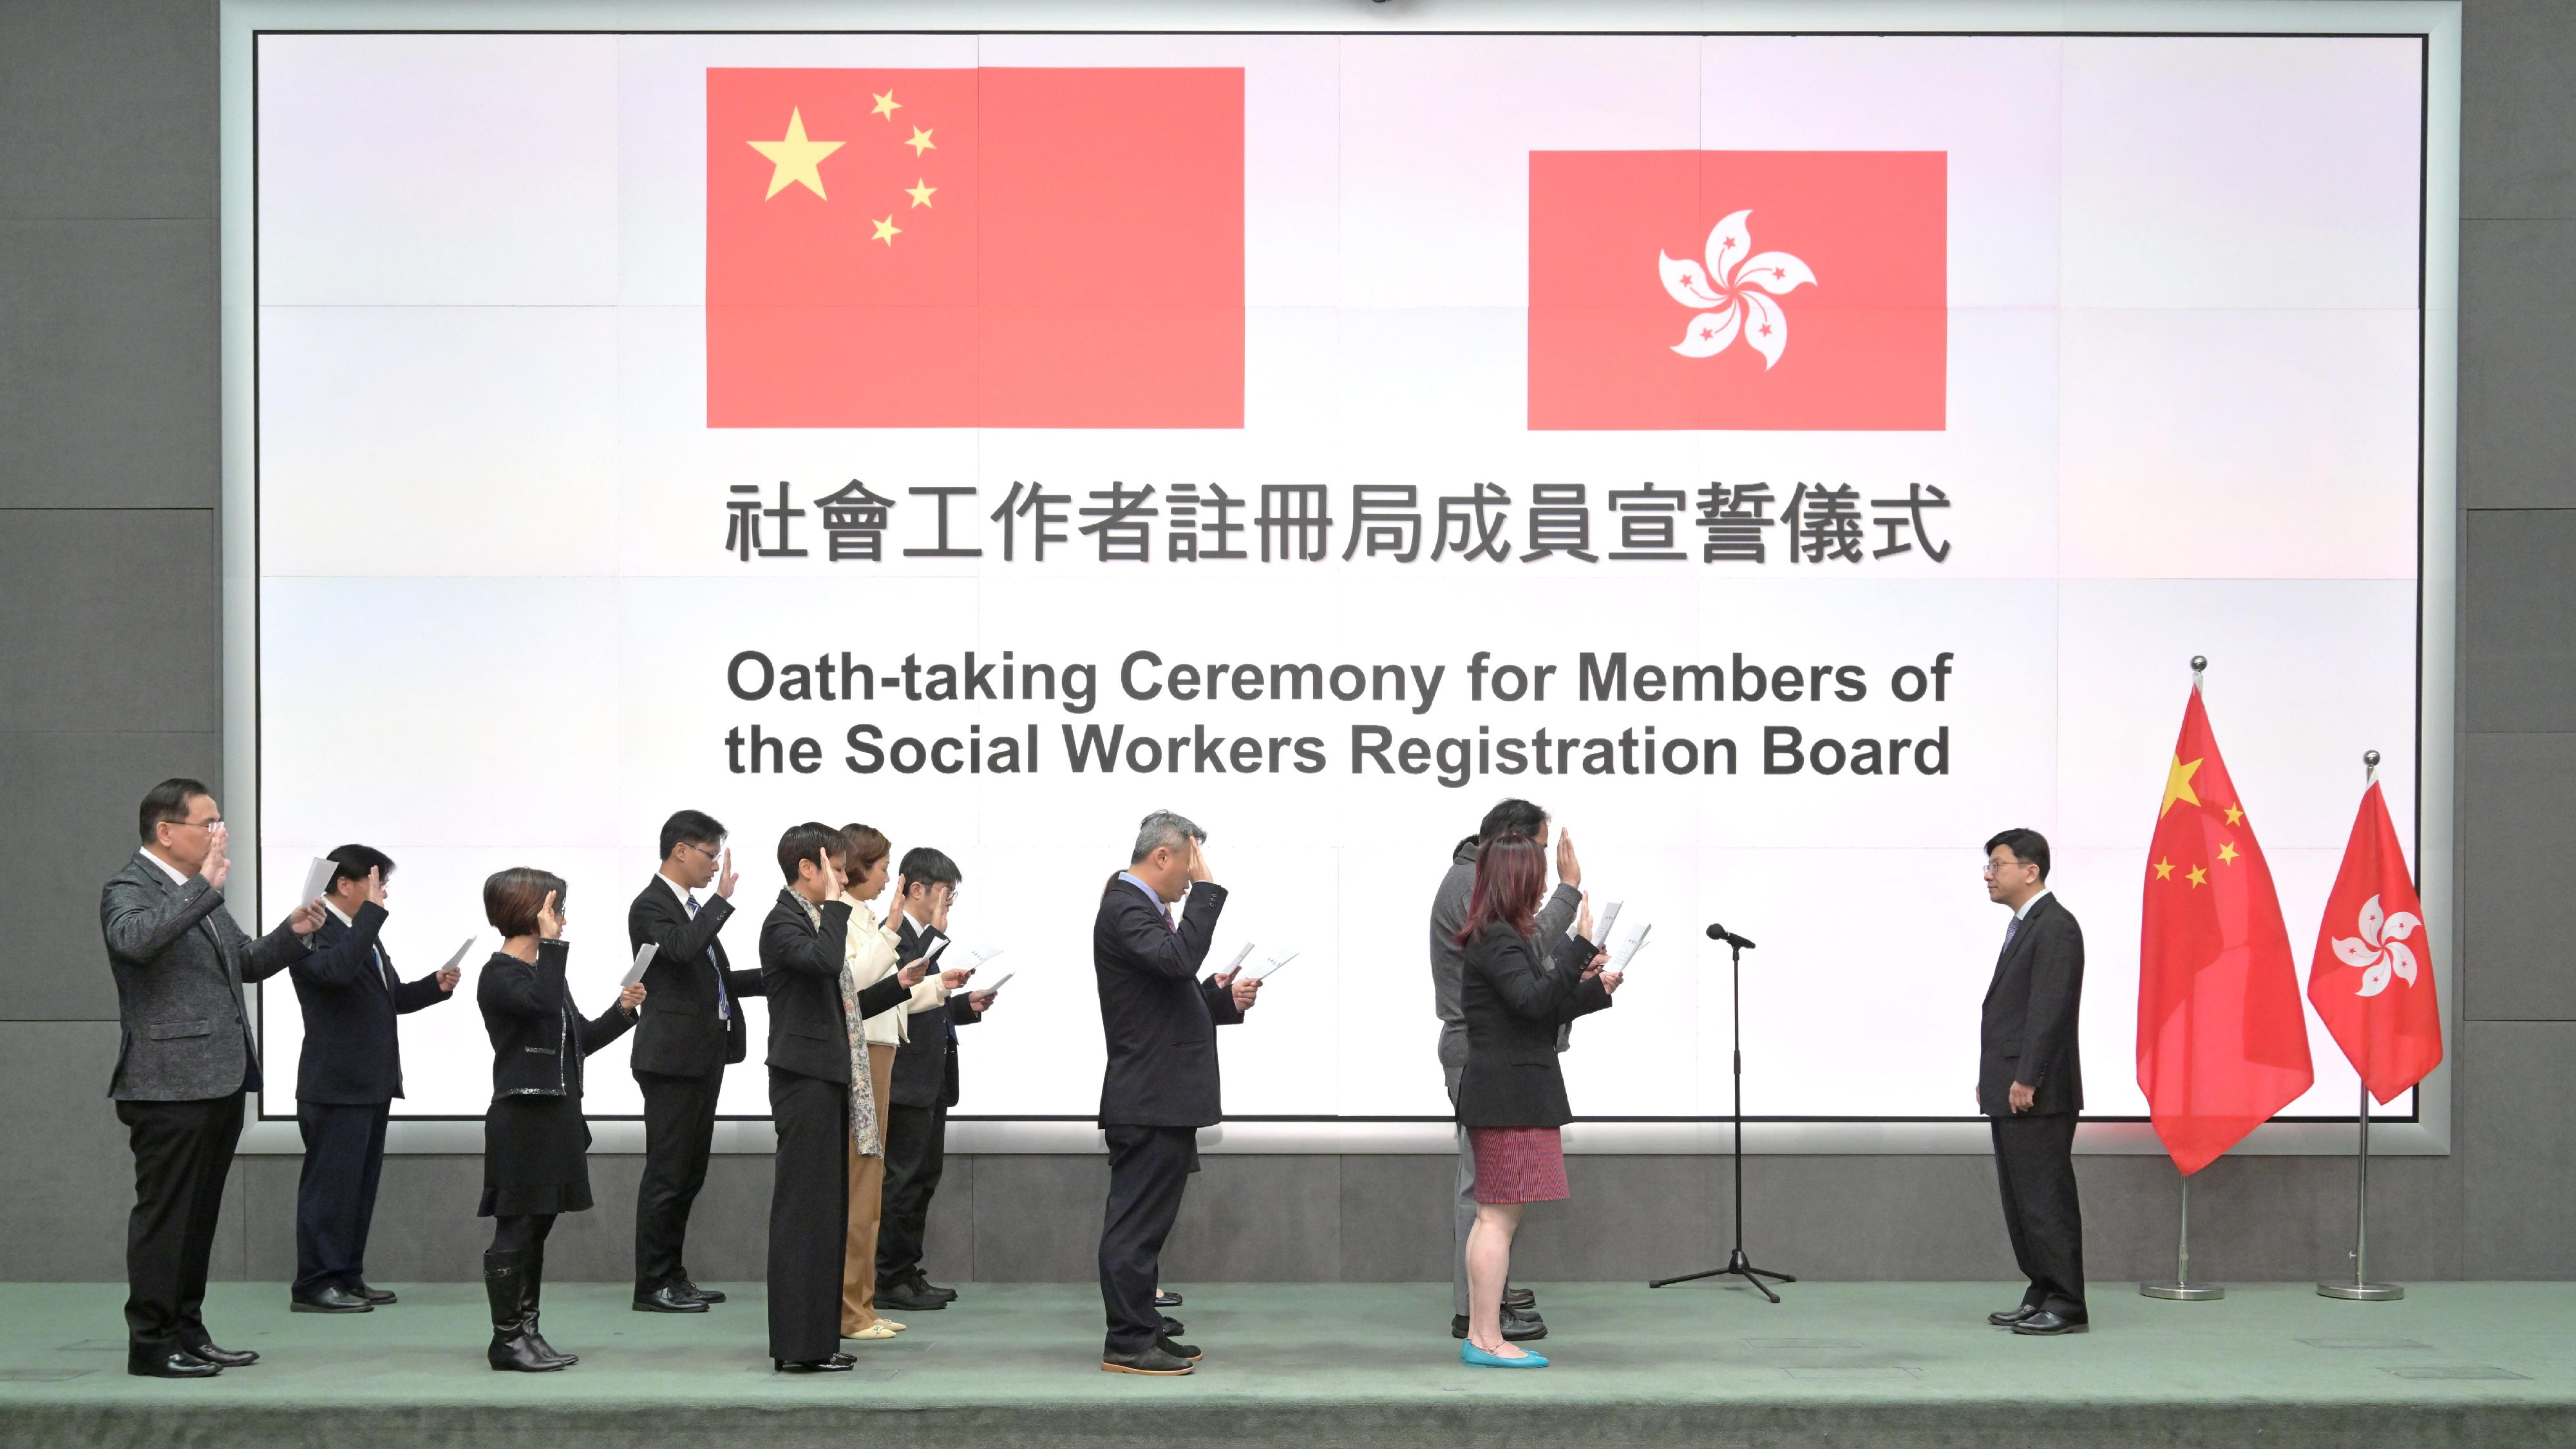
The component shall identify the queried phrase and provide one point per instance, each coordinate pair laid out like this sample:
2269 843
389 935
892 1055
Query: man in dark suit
925 1087
346 1079
2030 1083
184 1058
1161 1085
804 966
692 1029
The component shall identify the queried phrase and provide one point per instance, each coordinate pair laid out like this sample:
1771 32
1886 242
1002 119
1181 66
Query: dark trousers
335 1194
1148 1168
2035 1164
809 1215
915 1156
679 1131
182 1153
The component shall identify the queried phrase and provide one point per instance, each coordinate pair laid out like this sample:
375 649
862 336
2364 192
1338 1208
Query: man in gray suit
183 1061
1448 962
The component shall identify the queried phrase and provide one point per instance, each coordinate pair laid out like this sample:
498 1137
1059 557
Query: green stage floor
1896 1363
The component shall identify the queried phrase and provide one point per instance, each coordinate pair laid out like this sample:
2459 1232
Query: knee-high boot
536 1282
505 1286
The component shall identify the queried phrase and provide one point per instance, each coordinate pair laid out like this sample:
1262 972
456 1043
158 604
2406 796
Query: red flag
1014 248
2222 1041
2372 978
1739 289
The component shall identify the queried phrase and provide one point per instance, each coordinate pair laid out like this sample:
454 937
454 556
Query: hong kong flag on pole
995 247
2372 979
2222 1042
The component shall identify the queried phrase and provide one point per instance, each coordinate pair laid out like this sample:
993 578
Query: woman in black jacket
535 1142
1511 1096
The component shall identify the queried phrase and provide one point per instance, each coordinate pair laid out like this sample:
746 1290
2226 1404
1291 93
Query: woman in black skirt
1511 1096
535 1142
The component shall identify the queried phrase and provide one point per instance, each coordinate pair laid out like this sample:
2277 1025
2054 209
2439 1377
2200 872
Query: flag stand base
2362 1292
2182 1289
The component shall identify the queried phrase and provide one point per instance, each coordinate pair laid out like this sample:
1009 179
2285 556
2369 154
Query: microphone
1717 932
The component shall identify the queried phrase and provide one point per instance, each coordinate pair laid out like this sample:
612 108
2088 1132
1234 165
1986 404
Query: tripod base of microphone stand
1737 1266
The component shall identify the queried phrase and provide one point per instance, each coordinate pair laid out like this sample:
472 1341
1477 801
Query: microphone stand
1737 1265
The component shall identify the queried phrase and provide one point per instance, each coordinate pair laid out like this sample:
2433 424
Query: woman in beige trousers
871 959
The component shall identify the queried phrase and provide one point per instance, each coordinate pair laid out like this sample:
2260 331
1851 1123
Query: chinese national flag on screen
1804 289
2372 978
1016 248
2222 1041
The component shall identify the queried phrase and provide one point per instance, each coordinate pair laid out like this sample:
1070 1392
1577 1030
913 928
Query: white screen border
2438 864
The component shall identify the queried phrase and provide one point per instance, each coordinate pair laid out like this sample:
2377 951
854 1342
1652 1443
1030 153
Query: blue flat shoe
1475 1357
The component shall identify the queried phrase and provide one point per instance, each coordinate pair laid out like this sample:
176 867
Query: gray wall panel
2517 1219
2517 113
2518 364
111 329
2520 614
115 622
52 965
107 108
2519 794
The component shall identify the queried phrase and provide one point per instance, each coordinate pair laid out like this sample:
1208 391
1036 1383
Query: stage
1909 1364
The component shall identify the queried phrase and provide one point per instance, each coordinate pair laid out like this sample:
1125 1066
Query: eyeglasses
1995 867
700 849
206 825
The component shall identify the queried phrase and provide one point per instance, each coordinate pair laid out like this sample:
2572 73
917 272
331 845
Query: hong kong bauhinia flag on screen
995 247
2372 978
1739 290
2222 1038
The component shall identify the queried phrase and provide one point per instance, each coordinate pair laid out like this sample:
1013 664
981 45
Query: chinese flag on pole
2372 978
1739 290
2222 1041
996 247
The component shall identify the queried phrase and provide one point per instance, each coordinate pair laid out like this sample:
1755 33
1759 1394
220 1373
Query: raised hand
219 860
941 898
724 874
375 885
631 998
1198 861
833 881
1583 918
1568 869
550 923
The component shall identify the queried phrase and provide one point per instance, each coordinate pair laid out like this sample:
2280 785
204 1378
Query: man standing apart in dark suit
925 1087
183 1061
690 1032
346 1079
2030 1083
1161 1086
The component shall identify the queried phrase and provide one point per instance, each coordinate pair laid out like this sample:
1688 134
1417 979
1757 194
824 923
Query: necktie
1168 923
2012 928
724 1006
384 968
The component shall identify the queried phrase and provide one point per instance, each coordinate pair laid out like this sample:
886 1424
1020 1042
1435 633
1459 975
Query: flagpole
2361 1289
2182 1289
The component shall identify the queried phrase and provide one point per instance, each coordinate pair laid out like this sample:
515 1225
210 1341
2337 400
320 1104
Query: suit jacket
539 1037
1514 1005
2027 1031
800 970
925 1065
681 1035
352 1054
180 960
1448 958
1159 1018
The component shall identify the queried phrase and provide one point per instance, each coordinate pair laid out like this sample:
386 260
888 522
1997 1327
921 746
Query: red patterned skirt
1519 1164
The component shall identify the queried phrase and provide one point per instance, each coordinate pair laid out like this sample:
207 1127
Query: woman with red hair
1511 1097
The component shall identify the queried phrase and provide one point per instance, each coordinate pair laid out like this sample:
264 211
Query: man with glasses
691 1030
2030 1084
184 1060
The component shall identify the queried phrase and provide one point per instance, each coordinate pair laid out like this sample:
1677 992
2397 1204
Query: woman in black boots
535 1143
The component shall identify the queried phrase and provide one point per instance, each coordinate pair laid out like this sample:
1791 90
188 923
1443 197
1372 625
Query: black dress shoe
924 1285
330 1300
1152 1361
221 1357
376 1295
1524 1299
669 1299
1176 1348
172 1363
1172 1327
2008 1319
2048 1322
904 1298
1166 1300
839 1363
703 1295
1517 1327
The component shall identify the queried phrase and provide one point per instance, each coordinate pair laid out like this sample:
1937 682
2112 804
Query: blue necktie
2012 928
724 1006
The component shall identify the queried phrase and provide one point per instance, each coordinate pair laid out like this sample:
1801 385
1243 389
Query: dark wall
109 577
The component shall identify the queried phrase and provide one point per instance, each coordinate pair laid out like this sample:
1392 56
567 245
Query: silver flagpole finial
2199 666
